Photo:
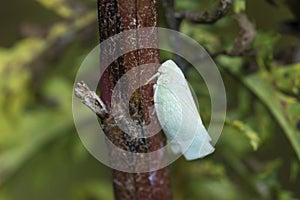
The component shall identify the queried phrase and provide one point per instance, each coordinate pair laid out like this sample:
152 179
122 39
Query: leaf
60 7
204 37
284 109
287 79
264 44
262 86
239 6
247 130
25 130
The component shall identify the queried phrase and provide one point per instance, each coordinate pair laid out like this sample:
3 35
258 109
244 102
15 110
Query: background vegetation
41 157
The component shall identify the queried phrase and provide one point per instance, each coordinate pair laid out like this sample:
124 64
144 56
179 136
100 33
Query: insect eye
96 102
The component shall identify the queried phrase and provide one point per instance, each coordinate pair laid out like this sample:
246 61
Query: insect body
178 115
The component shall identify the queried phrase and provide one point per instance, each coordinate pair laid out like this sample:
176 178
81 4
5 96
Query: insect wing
179 117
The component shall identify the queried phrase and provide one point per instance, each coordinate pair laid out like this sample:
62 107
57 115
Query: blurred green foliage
41 156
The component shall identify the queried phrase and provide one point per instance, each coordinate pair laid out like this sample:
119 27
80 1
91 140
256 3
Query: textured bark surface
114 17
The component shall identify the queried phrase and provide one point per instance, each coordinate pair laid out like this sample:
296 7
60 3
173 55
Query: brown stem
116 16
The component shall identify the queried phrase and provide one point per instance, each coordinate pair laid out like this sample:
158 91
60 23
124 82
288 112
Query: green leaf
247 130
284 109
60 7
239 6
287 79
264 45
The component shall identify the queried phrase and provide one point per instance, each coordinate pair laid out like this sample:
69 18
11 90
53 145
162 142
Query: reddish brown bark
116 16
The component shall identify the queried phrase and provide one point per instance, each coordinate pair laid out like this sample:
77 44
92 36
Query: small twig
231 53
175 18
90 99
243 41
206 17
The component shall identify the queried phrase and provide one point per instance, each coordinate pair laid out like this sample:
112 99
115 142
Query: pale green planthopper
177 113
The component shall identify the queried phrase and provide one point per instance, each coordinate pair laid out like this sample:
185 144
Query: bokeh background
42 44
